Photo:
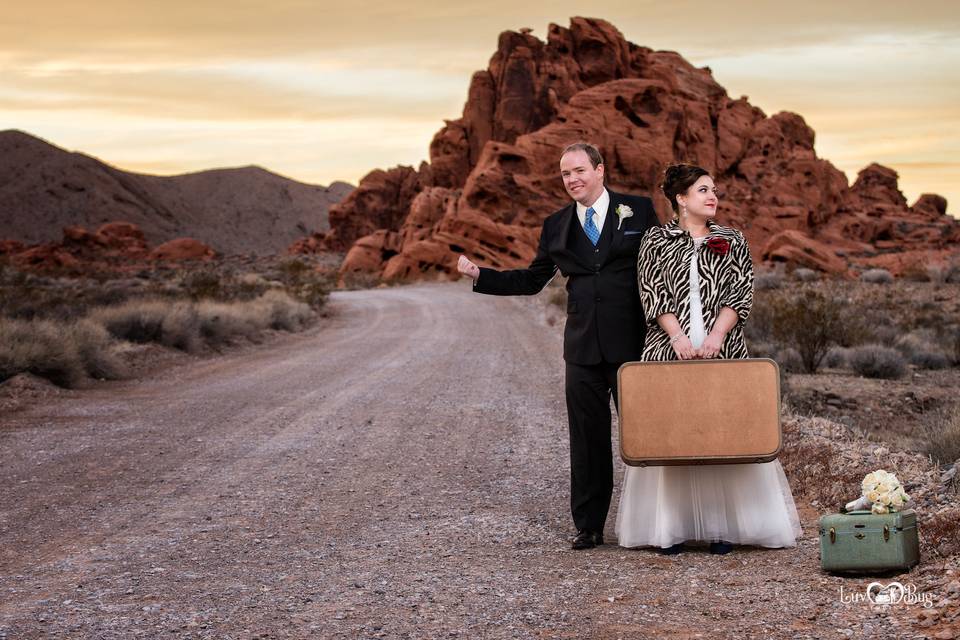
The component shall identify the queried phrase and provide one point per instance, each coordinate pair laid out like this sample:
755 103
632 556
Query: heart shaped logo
890 594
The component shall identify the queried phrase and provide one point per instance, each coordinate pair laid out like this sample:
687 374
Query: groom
594 242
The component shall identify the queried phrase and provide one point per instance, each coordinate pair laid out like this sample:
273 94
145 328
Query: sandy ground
400 471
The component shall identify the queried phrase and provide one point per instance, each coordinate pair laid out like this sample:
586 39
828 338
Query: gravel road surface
398 471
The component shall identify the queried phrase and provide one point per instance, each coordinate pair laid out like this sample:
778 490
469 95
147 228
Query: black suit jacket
605 321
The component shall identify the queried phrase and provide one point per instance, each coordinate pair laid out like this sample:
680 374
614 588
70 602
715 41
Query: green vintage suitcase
863 542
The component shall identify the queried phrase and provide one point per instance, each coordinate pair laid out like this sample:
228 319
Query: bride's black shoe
671 550
720 548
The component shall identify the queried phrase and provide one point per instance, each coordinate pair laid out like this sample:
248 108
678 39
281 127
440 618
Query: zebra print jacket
726 280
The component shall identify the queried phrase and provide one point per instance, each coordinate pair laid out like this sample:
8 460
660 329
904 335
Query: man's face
580 179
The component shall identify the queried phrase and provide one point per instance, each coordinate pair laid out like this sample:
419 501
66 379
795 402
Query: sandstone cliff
493 176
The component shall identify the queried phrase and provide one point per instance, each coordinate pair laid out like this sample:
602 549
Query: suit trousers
589 388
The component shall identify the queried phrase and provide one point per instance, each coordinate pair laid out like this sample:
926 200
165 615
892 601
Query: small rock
946 634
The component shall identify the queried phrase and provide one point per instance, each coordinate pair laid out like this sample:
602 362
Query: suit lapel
613 221
561 243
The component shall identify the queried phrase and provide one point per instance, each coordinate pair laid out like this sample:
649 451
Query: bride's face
701 198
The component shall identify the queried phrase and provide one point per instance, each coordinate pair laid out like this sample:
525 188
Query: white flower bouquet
881 493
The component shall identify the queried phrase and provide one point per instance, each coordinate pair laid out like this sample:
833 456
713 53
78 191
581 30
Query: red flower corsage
720 246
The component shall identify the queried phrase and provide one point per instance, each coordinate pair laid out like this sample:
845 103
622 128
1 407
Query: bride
696 284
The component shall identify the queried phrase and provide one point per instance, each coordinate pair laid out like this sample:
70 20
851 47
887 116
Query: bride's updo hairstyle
677 178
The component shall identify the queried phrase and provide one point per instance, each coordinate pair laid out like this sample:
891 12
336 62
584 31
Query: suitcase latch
833 535
886 532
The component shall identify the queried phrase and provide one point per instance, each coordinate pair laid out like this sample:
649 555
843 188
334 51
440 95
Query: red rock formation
115 245
182 249
493 174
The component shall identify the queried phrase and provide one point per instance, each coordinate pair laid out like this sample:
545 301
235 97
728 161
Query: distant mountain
245 210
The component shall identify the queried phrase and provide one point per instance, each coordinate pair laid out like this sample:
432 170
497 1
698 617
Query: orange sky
321 93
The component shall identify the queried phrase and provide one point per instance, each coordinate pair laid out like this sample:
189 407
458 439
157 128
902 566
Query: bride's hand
684 348
711 347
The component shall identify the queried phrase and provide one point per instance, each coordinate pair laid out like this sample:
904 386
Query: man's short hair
592 152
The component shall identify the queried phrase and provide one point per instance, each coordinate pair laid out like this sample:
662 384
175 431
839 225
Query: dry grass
815 474
96 349
66 353
189 326
174 325
877 361
941 435
42 348
876 276
940 533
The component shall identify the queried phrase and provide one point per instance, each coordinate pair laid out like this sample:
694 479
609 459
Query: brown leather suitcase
699 412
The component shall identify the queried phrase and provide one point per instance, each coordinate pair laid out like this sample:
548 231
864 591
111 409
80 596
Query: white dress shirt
600 209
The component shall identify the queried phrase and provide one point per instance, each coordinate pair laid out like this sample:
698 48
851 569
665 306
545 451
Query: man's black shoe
587 539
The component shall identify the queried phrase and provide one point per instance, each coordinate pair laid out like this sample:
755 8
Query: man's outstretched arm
513 282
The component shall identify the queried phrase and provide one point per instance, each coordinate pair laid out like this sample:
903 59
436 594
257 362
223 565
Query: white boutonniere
623 211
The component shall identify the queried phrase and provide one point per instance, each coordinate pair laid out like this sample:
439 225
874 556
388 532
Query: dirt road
399 471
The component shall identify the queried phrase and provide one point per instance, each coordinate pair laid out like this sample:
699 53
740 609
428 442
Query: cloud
203 84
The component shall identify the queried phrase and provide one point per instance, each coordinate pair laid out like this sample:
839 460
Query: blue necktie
591 229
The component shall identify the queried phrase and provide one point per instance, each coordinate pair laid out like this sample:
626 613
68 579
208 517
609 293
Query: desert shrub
312 286
929 359
877 361
314 291
96 349
294 268
221 322
789 360
837 358
251 285
171 324
921 349
940 433
180 327
809 321
766 280
136 322
805 275
941 533
202 284
351 280
877 325
876 276
284 312
41 347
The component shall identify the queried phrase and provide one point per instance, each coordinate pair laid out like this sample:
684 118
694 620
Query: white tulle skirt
747 504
